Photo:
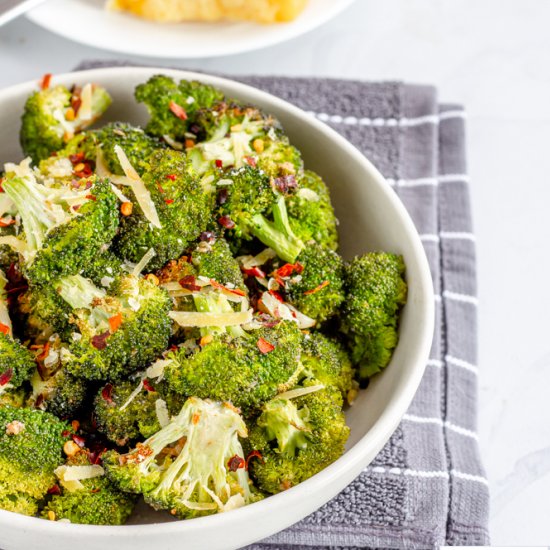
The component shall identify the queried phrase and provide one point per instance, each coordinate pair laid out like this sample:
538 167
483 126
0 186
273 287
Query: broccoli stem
277 234
216 303
78 291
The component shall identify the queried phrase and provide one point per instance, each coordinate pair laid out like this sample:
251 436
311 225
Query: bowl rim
354 458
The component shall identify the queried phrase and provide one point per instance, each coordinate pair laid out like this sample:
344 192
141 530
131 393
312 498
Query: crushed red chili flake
80 441
66 433
96 490
285 183
227 222
76 207
223 195
91 197
99 341
45 82
95 456
6 376
168 201
219 286
189 283
251 161
4 329
236 462
44 353
171 177
317 288
115 321
207 236
54 490
219 163
177 110
264 346
288 269
147 385
276 295
160 188
86 172
4 223
107 393
76 158
253 454
253 272
1 182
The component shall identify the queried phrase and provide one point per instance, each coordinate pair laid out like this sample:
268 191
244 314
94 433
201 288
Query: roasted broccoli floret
326 359
318 291
239 135
297 437
16 361
248 200
131 409
375 293
90 499
183 209
173 106
52 116
53 389
247 370
115 332
31 445
311 213
63 229
194 466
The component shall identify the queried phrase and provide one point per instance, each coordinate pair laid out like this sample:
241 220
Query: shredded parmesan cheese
308 194
85 111
198 319
140 266
162 412
70 476
299 392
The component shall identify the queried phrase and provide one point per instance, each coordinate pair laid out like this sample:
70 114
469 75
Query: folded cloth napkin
427 486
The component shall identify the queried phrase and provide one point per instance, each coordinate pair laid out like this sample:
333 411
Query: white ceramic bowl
372 218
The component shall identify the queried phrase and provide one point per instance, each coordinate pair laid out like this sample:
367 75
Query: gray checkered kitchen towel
427 486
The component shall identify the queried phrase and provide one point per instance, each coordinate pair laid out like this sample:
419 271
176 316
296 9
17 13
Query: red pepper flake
91 197
54 490
65 433
147 385
276 295
5 377
168 201
288 269
317 288
95 456
96 490
6 223
85 172
254 454
177 110
45 82
251 161
253 272
171 177
4 329
115 321
219 163
196 418
264 346
1 182
100 340
227 222
189 283
219 286
236 462
285 183
77 158
107 393
80 441
45 351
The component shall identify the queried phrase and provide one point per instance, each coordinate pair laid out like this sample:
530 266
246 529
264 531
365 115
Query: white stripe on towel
458 297
429 181
427 473
439 422
462 364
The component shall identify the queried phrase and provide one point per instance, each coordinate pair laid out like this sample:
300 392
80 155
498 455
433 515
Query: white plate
87 21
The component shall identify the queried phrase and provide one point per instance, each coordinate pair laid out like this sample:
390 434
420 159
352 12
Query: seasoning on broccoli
375 293
297 436
54 115
194 466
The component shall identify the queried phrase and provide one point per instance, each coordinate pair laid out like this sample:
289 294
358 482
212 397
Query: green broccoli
118 331
246 370
16 361
193 466
127 410
249 198
63 229
326 359
311 213
183 208
31 445
318 291
375 293
93 500
297 436
172 106
52 116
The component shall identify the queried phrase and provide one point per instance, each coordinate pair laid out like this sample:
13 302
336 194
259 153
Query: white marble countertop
494 57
